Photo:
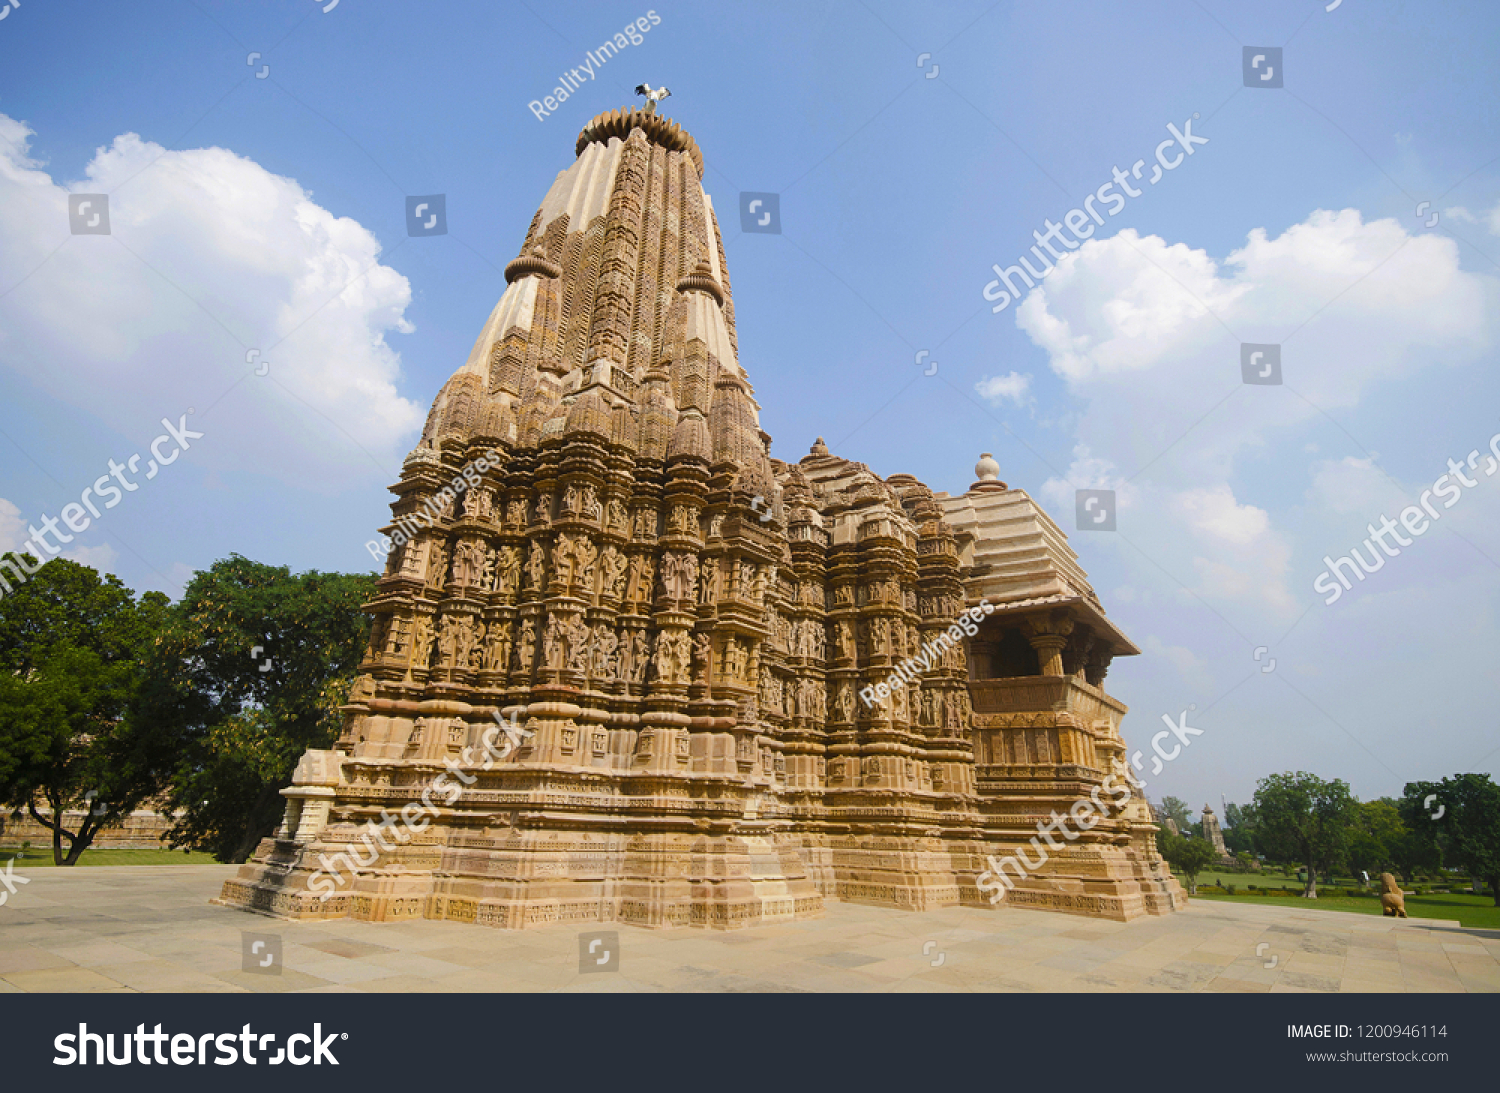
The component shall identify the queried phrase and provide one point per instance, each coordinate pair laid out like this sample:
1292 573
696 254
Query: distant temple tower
691 634
1212 832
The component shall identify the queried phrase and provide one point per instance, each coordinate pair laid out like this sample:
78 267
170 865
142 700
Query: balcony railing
1020 694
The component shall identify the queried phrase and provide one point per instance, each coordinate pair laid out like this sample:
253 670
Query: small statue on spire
653 95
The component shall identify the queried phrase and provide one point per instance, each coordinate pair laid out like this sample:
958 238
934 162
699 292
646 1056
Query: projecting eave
1081 608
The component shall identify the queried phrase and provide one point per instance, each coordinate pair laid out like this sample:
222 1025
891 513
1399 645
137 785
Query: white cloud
1146 335
1244 559
1014 387
15 535
1137 316
210 256
1214 514
12 527
1352 485
101 557
1180 657
1489 220
1115 306
1088 472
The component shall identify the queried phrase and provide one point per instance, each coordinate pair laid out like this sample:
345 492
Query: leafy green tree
1176 809
72 649
1377 833
1305 819
1412 852
1189 857
1239 829
238 722
1460 816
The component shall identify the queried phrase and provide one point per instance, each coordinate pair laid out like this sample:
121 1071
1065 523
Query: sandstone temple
683 627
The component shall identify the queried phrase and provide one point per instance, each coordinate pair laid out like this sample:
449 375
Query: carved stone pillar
1076 654
1048 636
1097 666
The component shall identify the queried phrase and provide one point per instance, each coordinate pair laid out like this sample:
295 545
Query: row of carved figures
798 697
578 566
575 565
567 643
865 637
578 501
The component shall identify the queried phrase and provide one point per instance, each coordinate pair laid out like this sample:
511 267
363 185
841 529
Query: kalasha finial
988 472
653 95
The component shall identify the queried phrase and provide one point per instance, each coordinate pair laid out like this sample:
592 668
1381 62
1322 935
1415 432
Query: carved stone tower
595 542
1213 832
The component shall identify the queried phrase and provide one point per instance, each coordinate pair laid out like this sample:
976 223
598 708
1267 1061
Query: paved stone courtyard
151 928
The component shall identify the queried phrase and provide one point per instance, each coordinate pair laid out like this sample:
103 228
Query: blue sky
268 214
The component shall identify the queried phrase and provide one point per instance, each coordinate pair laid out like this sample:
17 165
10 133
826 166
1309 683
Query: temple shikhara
683 626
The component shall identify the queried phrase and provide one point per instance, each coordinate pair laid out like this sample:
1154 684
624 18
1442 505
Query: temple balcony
1043 727
1060 694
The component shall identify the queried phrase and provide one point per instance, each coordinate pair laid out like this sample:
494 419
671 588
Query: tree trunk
53 825
1495 888
1311 891
77 844
83 840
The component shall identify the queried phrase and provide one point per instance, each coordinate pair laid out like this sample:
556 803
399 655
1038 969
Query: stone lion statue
1392 904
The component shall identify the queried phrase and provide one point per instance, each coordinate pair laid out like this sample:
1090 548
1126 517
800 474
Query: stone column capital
1048 634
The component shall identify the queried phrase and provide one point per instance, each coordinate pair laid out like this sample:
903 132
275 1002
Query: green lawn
1464 908
37 858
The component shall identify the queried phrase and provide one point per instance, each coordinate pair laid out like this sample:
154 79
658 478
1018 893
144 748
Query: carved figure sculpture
612 566
536 566
526 648
1392 901
497 653
508 577
421 642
